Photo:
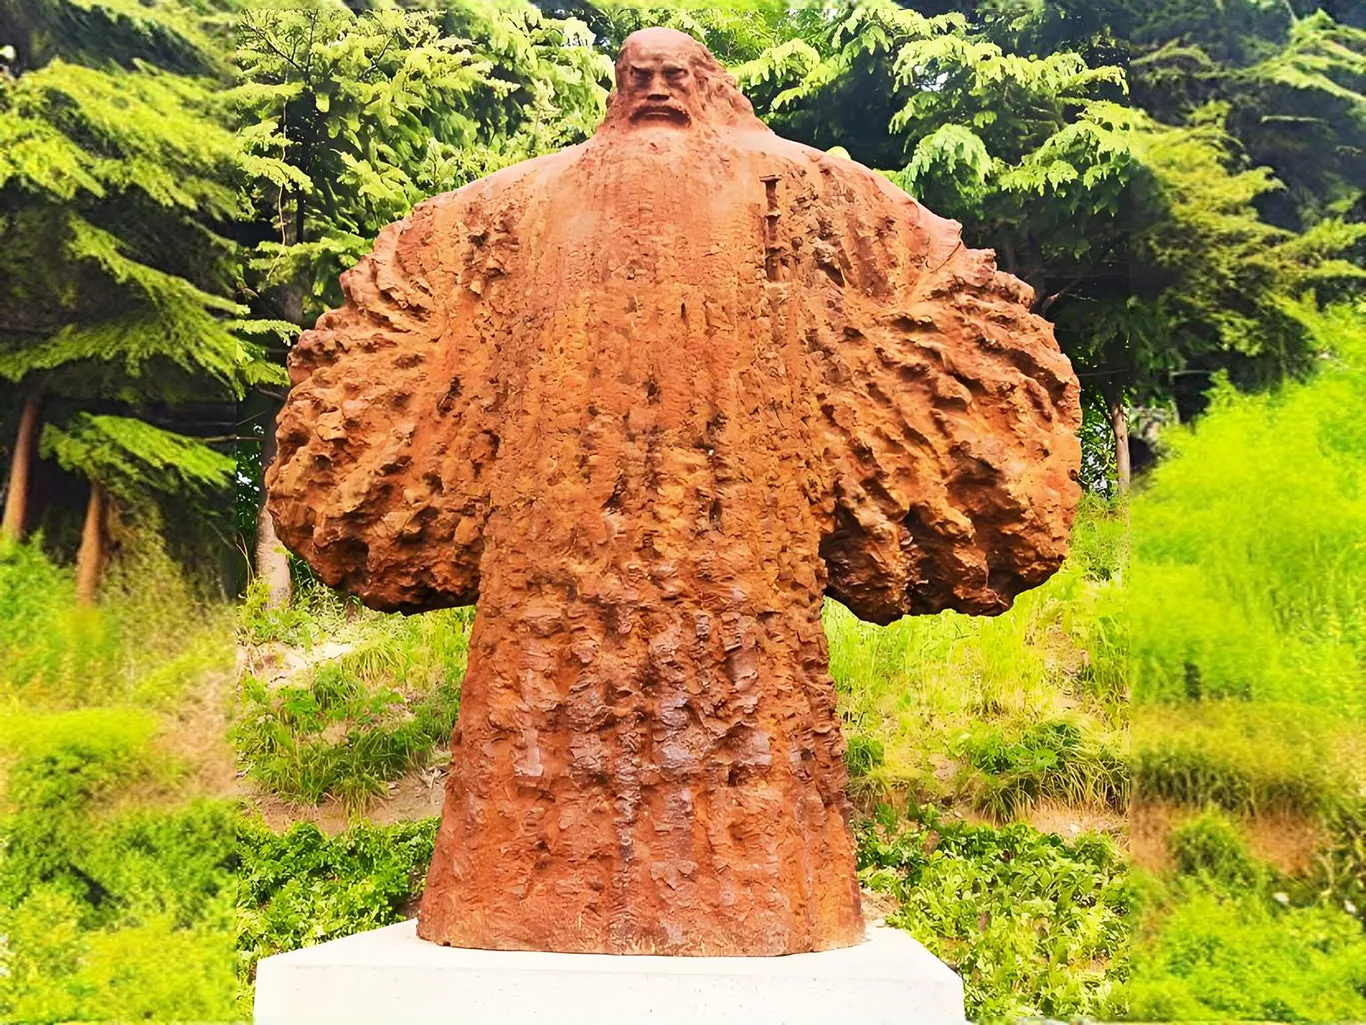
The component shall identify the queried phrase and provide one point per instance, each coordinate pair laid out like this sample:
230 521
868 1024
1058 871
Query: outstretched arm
366 489
952 417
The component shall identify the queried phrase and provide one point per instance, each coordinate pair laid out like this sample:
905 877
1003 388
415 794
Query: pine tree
119 172
373 112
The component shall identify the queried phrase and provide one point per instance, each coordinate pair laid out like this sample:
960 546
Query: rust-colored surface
647 400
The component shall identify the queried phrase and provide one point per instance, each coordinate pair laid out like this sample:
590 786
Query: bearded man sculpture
648 400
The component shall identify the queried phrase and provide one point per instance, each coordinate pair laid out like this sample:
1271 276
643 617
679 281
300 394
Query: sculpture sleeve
950 413
379 449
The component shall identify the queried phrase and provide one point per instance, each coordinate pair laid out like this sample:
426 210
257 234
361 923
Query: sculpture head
667 78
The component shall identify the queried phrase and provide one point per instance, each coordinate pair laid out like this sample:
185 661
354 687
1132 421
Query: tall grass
915 692
1249 570
1247 604
345 727
1247 613
107 915
149 636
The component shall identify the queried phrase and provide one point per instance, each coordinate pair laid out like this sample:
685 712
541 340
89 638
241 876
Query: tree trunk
90 557
1119 426
272 561
21 469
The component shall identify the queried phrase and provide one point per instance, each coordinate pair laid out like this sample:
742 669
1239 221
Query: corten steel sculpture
648 400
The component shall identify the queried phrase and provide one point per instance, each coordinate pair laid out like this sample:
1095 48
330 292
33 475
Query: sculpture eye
673 73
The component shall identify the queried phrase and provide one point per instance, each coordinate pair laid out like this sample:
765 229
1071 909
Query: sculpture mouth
661 113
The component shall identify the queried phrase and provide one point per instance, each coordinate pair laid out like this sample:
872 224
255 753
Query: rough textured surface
647 400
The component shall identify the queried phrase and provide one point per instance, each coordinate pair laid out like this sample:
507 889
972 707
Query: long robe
648 400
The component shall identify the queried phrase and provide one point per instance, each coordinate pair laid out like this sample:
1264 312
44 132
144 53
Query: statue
648 400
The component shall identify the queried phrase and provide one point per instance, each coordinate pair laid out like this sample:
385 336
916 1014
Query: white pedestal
390 977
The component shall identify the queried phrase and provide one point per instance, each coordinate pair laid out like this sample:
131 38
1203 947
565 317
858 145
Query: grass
1247 613
347 726
934 706
1246 757
1226 937
108 914
1249 567
151 636
1008 770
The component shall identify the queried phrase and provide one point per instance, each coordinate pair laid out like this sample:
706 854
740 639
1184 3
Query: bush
121 918
59 765
150 636
367 717
335 736
1035 925
301 887
1222 957
1245 758
1212 846
1248 574
1064 759
53 969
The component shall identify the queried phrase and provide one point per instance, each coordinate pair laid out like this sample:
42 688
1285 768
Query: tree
118 171
370 113
1149 240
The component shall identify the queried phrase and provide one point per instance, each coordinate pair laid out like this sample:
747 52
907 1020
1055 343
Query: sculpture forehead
654 44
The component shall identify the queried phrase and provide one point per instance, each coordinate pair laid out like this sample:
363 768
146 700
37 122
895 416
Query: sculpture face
656 82
648 400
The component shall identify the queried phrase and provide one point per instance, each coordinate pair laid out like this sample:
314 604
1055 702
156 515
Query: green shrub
1064 759
1248 758
335 736
863 755
59 764
1212 846
1248 577
115 918
150 636
1227 957
54 969
302 887
364 718
1034 924
1340 868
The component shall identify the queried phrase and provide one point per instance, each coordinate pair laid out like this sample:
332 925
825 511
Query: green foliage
917 689
121 182
59 764
107 916
377 110
150 637
1340 870
362 720
1245 957
1064 759
131 457
301 887
1034 924
147 970
1247 578
1211 845
313 612
1245 758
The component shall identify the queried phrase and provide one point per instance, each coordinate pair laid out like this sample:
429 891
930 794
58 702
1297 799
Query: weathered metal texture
648 400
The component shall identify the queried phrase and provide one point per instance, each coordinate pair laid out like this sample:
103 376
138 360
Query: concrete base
390 976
